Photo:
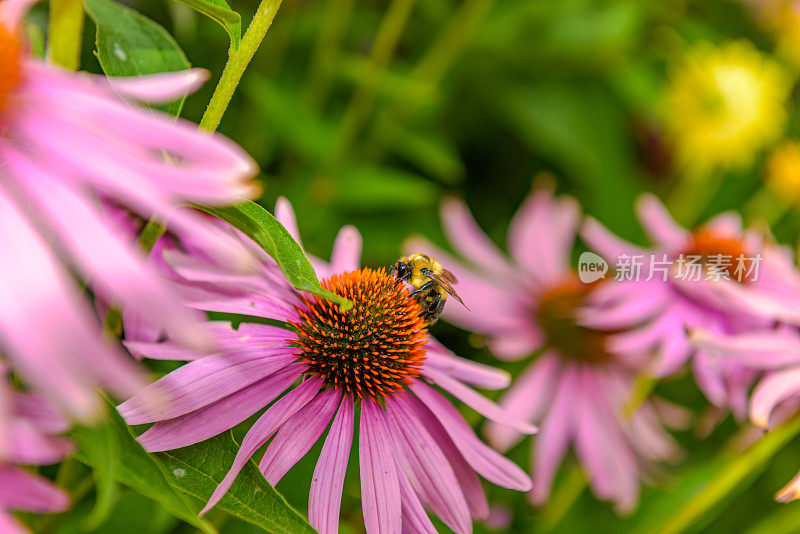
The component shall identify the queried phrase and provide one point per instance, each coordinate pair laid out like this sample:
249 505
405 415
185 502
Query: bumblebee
432 283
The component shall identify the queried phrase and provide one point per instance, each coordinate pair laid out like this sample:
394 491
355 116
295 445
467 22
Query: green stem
236 65
231 75
65 33
731 477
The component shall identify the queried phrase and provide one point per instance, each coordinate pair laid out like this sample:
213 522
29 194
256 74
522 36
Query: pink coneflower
28 436
737 283
575 386
415 449
777 353
67 142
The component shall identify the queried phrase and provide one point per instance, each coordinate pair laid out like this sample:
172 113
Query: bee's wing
450 277
444 282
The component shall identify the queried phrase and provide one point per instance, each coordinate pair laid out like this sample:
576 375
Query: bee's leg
423 288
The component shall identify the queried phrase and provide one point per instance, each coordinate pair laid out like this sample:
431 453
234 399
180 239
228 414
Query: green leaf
101 445
221 12
130 44
111 449
259 224
198 470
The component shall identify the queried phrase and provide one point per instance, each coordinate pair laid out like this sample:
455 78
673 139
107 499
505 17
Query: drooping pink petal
602 447
12 12
285 215
558 428
6 411
346 255
661 227
791 491
763 350
609 246
103 257
380 488
467 237
467 479
516 345
325 496
631 312
10 525
30 446
773 389
20 490
728 223
162 87
541 235
489 464
220 416
298 435
262 430
37 322
426 467
708 373
477 401
199 383
526 400
465 370
413 514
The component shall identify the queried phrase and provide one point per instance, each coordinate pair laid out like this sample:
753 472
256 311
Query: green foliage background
473 98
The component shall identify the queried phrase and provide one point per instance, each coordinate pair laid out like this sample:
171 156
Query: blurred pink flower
777 394
658 313
28 428
415 448
67 142
576 386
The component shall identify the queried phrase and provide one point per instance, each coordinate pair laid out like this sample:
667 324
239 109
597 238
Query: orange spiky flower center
557 316
10 72
719 252
373 349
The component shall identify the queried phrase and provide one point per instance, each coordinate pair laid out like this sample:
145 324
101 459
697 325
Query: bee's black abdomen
432 306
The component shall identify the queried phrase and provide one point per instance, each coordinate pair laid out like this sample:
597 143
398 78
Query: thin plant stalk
65 33
236 64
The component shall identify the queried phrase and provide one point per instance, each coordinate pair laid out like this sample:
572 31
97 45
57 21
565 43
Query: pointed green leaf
130 44
198 469
221 12
111 448
259 224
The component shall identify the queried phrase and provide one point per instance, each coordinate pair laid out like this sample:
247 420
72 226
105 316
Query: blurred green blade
723 481
259 225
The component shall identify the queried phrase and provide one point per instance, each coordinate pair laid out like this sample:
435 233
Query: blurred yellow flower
783 171
724 104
